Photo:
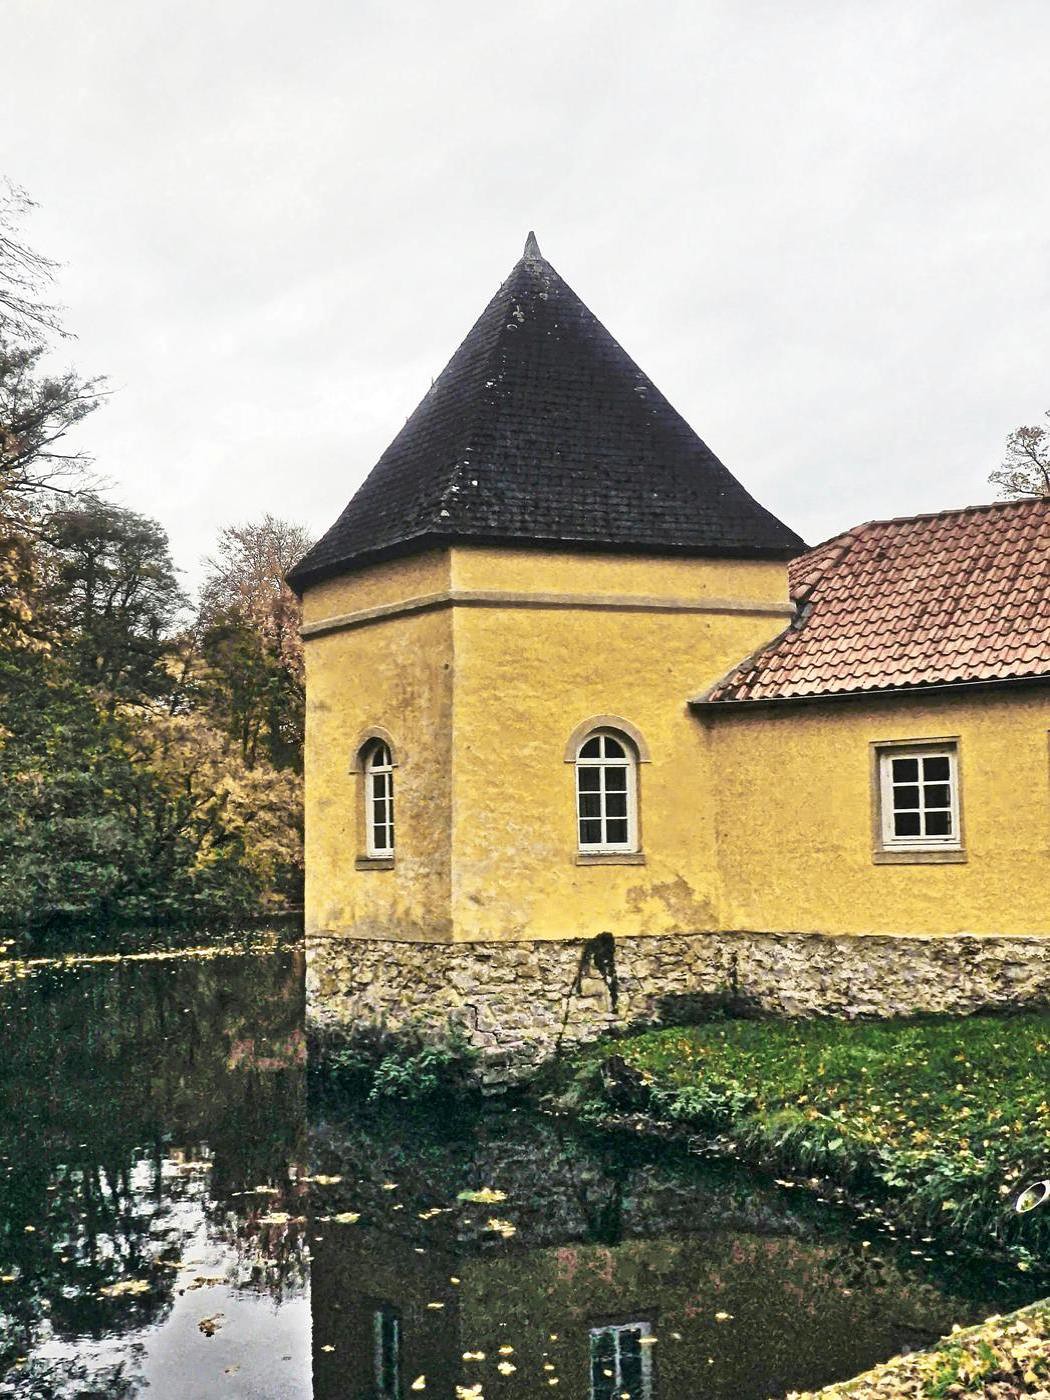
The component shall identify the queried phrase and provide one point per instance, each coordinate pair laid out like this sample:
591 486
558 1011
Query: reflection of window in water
386 1329
620 1364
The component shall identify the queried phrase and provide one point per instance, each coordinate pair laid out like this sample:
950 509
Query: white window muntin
919 797
620 1361
379 800
606 794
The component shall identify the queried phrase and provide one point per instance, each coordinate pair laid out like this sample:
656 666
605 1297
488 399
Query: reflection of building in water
725 1315
621 1360
374 1300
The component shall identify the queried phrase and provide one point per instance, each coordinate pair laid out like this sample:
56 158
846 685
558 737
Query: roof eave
702 704
299 580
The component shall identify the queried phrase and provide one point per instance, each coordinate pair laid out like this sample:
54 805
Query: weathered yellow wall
525 678
757 821
397 674
562 571
389 582
794 817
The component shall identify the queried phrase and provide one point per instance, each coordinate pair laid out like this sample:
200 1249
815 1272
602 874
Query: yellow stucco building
566 677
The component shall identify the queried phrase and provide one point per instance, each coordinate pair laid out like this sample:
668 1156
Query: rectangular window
918 798
386 1326
621 1362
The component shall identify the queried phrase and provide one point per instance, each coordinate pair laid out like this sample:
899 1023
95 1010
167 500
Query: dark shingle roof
542 430
950 599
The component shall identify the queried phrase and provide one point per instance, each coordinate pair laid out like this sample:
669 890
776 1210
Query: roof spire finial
532 248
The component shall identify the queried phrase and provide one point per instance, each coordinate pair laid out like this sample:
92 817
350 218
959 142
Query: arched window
379 799
606 793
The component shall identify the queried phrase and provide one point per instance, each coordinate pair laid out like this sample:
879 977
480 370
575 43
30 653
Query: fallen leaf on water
280 1217
324 1180
435 1305
723 1317
345 1217
126 1286
506 1351
210 1325
389 1185
420 1383
487 1196
501 1227
262 1191
328 1347
473 1356
506 1368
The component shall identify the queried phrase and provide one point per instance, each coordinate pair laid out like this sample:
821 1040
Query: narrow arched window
606 793
379 799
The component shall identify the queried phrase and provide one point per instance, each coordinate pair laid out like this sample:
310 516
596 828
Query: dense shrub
404 1067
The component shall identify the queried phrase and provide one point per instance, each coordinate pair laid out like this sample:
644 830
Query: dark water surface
177 1220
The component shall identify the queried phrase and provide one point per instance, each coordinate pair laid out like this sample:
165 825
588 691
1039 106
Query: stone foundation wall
515 1001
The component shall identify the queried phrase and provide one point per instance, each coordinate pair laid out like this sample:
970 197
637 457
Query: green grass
948 1117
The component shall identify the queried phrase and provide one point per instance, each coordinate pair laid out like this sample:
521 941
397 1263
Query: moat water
180 1218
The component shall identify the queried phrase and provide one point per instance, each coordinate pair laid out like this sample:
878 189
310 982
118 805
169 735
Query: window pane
631 1363
616 831
905 797
613 748
906 823
590 833
905 770
379 837
589 779
603 1365
616 804
590 804
938 823
616 779
592 748
937 769
936 795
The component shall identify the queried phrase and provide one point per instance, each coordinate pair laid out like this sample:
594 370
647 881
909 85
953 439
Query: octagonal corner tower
502 630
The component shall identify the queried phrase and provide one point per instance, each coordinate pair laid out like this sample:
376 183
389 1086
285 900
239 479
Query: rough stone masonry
518 1001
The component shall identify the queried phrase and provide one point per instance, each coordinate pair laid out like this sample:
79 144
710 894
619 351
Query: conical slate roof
541 430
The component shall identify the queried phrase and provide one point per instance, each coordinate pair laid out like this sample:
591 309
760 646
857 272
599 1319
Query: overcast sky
821 228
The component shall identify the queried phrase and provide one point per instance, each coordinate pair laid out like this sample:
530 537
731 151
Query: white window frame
379 787
617 1329
381 1316
919 750
630 764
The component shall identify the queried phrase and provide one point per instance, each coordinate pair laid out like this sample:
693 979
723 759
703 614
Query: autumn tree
114 592
1025 471
38 407
25 274
248 626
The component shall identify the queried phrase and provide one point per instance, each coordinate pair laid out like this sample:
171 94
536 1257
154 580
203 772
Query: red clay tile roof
929 600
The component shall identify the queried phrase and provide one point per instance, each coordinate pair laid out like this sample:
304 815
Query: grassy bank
945 1119
1003 1357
